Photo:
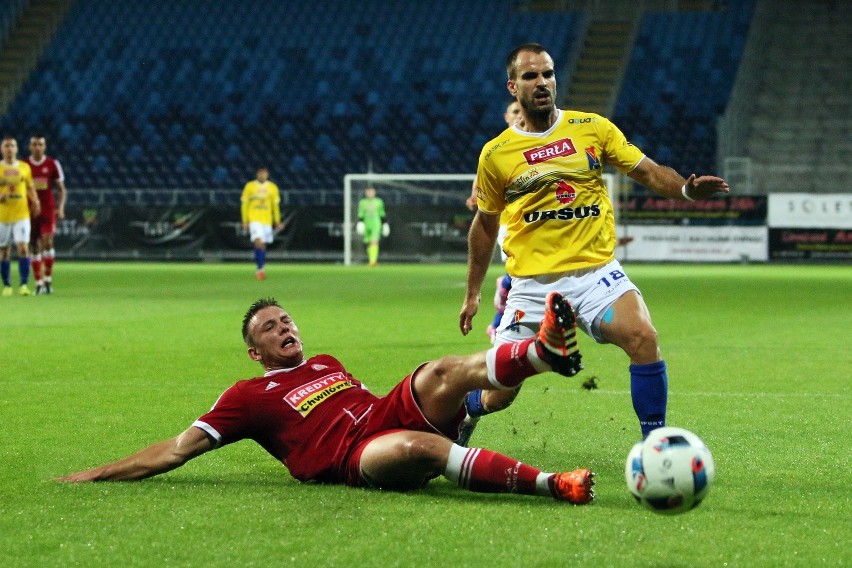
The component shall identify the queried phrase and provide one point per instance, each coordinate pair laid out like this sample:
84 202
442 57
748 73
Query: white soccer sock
542 484
459 464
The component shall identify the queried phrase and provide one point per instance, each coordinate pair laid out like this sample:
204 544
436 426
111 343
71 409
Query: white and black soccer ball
670 471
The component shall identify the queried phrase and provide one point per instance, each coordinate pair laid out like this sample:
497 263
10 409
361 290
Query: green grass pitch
123 355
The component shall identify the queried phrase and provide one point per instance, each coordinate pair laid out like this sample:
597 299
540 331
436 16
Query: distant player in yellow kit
16 190
261 212
545 173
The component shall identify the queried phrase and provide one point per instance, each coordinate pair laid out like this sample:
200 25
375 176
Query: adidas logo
271 385
319 367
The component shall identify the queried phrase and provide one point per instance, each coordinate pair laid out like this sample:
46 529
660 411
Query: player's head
370 192
513 112
262 174
272 337
38 146
9 148
532 80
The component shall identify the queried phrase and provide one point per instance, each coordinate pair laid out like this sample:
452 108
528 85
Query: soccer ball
670 472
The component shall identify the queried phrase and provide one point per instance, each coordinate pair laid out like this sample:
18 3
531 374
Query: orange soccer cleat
557 336
573 486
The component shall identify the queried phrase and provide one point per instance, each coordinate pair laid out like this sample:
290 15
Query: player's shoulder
499 141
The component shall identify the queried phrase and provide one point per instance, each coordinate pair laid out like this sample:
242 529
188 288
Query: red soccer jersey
45 175
307 417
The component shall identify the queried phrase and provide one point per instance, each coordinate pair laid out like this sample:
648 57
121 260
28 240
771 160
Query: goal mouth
426 212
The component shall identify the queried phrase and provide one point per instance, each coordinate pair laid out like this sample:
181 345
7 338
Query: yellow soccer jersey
13 182
260 202
549 189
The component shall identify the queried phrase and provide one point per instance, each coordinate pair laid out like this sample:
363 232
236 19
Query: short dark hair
511 60
253 309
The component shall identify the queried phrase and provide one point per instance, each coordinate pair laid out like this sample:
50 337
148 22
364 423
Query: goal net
426 213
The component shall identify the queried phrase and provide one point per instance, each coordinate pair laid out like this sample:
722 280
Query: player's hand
279 226
385 230
60 214
80 476
359 228
469 309
245 226
705 186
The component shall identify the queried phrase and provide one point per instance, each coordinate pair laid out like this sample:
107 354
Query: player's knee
642 343
424 453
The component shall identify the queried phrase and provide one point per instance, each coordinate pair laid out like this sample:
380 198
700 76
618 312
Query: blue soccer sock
259 257
649 387
473 404
24 270
5 272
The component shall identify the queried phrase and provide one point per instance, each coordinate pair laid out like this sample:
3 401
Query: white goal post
408 182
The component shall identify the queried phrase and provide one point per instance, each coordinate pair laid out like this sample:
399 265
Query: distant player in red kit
324 425
47 177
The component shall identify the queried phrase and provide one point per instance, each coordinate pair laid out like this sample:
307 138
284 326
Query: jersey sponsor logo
594 162
566 214
579 120
565 193
308 396
558 149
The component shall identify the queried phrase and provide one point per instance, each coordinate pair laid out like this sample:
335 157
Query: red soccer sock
47 258
35 264
510 364
485 471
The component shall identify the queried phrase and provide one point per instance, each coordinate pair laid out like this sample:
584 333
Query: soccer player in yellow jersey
261 211
16 190
545 172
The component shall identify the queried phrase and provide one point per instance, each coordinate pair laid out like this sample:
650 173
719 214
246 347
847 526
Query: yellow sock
373 253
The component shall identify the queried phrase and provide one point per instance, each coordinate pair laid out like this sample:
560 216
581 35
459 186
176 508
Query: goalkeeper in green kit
371 223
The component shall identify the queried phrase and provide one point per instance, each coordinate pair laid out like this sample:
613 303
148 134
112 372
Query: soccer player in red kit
324 425
47 178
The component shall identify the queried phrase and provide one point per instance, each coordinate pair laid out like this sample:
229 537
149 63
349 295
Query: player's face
37 147
276 339
262 175
513 113
9 149
369 193
534 84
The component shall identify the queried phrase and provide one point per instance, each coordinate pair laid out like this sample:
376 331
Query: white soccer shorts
261 231
591 291
17 232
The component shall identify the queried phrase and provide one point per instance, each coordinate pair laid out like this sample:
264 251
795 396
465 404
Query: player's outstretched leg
558 336
574 486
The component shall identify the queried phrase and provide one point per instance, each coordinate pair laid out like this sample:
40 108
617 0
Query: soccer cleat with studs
24 290
557 336
7 291
573 486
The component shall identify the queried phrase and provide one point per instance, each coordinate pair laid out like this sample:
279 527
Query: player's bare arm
63 195
480 242
155 459
666 182
35 204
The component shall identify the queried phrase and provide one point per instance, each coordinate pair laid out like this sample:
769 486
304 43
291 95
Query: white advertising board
729 243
